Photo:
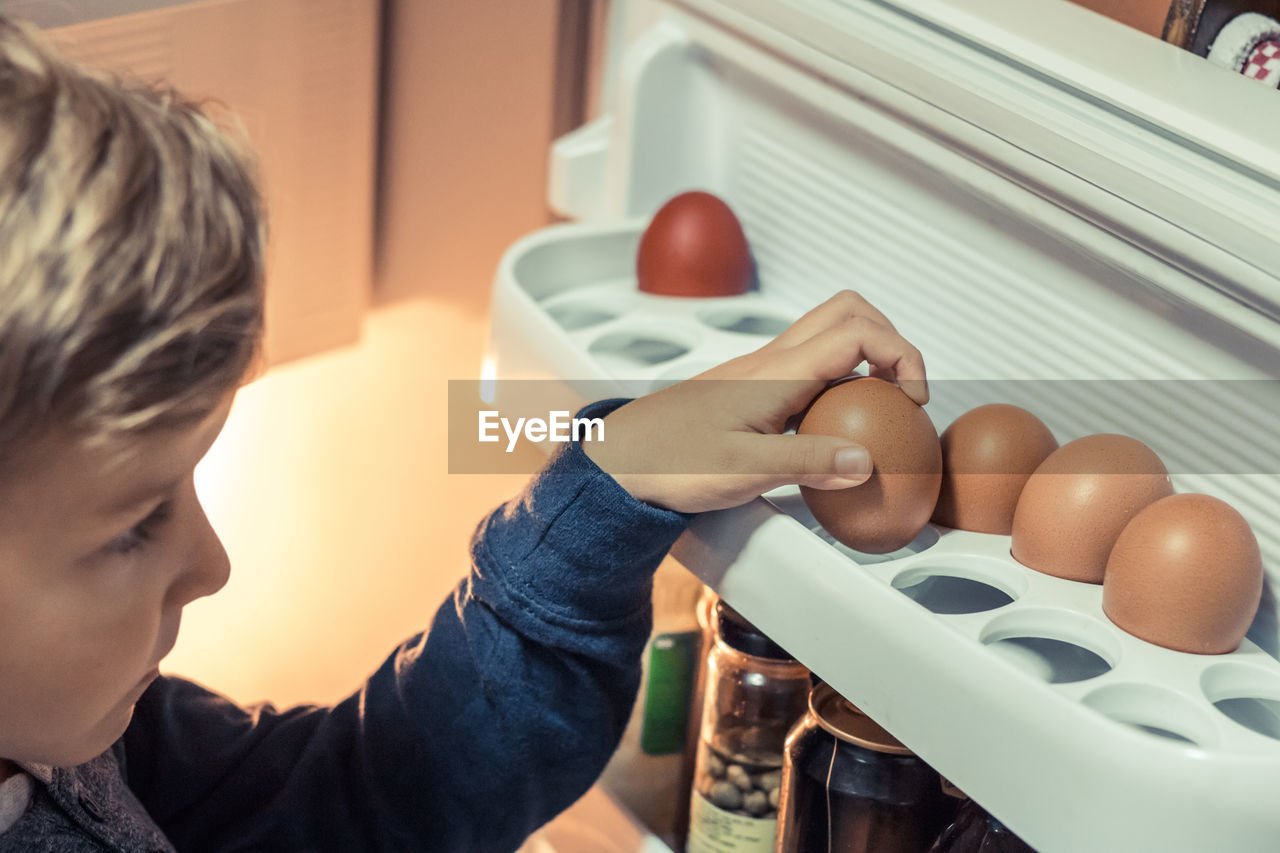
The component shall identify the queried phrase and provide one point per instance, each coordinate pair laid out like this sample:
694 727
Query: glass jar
754 692
707 634
976 831
849 785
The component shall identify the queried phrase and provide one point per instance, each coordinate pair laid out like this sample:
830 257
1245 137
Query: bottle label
672 658
714 830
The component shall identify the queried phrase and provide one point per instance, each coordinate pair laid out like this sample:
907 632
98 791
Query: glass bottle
754 692
707 634
976 831
850 786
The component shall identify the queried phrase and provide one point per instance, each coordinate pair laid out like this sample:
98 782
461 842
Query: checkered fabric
1263 63
1250 45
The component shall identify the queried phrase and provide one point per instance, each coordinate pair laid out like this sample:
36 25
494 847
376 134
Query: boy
130 309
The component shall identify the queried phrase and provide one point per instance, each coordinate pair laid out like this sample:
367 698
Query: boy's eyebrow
164 466
137 497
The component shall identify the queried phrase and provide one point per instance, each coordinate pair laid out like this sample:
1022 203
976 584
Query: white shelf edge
989 728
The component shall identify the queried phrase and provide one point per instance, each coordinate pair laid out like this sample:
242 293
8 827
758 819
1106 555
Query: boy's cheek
70 699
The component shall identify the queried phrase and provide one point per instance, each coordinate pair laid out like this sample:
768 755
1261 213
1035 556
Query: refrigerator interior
1054 208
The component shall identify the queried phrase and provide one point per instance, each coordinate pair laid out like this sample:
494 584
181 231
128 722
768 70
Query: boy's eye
142 532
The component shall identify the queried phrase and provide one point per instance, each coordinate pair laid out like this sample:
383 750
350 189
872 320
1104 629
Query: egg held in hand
890 509
988 454
1072 509
1186 574
694 246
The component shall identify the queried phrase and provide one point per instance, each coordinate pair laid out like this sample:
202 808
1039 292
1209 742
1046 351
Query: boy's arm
469 736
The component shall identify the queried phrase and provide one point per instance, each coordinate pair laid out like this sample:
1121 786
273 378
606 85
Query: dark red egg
694 246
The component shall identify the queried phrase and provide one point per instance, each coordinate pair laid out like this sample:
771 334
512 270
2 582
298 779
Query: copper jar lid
842 718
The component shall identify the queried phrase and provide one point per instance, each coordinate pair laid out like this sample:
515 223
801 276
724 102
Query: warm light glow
219 476
488 378
331 495
214 473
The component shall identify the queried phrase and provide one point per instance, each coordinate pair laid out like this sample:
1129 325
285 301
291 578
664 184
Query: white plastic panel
1050 155
1121 129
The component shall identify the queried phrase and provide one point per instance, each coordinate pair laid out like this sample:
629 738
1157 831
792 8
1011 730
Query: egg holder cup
572 289
990 671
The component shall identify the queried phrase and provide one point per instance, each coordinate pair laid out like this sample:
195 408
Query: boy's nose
207 566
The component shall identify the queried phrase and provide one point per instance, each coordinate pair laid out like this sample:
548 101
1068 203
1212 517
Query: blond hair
130 252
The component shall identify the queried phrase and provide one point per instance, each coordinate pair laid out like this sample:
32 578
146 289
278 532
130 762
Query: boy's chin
83 748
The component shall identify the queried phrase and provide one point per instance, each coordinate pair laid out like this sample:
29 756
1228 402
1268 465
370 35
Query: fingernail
853 461
916 389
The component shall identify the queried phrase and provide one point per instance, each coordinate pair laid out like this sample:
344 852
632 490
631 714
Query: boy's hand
714 441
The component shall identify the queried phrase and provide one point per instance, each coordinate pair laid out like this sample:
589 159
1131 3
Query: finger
820 461
835 353
844 305
889 356
916 389
885 373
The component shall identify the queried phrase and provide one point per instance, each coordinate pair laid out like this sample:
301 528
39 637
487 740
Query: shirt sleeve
470 735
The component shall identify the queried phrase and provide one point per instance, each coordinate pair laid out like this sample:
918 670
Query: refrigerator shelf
1011 683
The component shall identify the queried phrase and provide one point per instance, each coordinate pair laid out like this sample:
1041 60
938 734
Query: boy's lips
170 638
154 673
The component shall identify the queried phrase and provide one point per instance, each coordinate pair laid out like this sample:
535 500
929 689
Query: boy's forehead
112 480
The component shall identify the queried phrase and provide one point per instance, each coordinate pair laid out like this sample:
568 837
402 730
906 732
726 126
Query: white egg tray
566 307
1012 683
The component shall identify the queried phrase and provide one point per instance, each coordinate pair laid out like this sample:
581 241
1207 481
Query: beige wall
301 77
1146 15
467 124
330 484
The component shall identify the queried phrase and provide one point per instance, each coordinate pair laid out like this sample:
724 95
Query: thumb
819 461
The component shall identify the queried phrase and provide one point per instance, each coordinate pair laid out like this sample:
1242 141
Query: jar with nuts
754 692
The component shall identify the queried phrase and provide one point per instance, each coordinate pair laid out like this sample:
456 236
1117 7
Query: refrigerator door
1062 213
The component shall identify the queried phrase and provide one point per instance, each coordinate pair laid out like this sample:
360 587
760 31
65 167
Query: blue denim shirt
466 739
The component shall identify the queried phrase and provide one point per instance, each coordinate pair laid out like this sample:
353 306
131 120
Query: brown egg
893 506
1074 506
694 246
1186 574
987 455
